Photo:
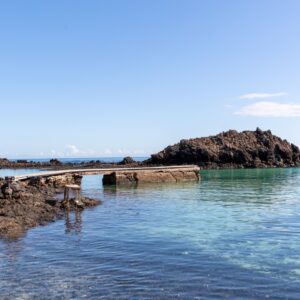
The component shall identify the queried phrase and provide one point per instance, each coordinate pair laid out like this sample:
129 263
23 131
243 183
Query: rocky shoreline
55 164
25 204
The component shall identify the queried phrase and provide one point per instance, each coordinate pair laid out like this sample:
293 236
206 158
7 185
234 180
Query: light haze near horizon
116 78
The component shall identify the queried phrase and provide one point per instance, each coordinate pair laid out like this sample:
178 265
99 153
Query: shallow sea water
234 235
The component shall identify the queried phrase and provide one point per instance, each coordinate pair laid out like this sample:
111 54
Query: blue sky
112 78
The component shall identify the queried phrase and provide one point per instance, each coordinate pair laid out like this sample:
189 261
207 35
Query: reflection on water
145 188
13 248
73 222
233 235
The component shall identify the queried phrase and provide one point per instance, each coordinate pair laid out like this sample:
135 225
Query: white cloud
123 152
3 154
73 150
108 152
139 152
55 153
270 109
262 95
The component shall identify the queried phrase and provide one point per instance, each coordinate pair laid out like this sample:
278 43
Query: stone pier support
152 176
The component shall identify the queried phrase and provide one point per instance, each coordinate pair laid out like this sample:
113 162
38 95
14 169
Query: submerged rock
249 149
82 203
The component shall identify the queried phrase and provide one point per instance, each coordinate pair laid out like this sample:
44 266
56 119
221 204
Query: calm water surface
234 235
16 172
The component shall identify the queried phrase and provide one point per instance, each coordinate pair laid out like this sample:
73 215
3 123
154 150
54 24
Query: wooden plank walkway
102 171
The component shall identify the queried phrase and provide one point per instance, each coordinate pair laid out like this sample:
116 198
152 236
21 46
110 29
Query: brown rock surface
33 202
151 176
250 149
127 161
58 165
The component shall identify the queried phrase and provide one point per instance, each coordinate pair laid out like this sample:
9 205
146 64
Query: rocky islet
231 149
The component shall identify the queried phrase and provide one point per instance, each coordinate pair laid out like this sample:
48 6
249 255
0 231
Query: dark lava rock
22 161
55 162
4 162
248 149
127 160
22 209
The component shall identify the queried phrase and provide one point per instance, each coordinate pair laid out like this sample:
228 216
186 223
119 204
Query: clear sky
111 78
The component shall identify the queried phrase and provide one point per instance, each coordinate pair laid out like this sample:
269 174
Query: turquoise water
16 172
234 235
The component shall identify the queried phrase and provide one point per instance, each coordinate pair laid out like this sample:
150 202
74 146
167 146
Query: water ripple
234 235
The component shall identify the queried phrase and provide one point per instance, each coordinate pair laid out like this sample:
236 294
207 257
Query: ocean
233 235
78 160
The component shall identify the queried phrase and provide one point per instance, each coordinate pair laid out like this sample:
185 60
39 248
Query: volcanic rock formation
231 149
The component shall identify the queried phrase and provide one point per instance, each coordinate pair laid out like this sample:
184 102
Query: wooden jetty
128 175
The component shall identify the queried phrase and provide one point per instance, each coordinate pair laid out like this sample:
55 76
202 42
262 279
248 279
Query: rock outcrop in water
25 204
231 149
